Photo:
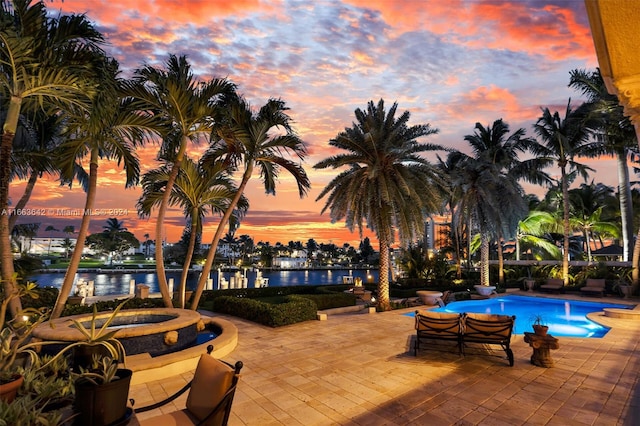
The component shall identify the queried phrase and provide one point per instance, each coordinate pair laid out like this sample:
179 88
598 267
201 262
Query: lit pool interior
564 317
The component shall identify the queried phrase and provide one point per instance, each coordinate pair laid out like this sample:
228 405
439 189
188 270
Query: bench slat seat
465 328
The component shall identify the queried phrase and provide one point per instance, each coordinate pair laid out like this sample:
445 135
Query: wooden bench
485 329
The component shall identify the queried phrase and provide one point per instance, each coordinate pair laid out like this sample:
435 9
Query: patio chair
489 329
211 393
594 286
553 284
437 326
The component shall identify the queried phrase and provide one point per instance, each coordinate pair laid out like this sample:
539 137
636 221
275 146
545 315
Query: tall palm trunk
565 225
635 272
162 211
626 210
468 234
484 260
383 275
70 275
187 260
206 268
6 256
500 262
587 239
455 231
33 178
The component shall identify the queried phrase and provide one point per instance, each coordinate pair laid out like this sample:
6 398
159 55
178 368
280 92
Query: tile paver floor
359 369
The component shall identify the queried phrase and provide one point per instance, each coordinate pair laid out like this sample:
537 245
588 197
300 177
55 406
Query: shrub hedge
295 309
334 300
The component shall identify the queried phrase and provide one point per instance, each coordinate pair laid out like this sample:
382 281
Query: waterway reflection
114 282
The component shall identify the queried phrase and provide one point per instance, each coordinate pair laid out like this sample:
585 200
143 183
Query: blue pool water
564 317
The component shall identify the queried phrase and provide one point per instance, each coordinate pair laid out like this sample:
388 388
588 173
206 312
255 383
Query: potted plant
98 339
14 341
101 393
48 382
539 327
623 288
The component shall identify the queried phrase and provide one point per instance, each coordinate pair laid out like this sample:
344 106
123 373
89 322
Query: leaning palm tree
261 140
36 154
200 191
186 111
109 129
44 62
617 135
562 140
387 183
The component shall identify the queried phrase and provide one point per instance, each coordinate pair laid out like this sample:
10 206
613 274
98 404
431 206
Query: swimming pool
564 317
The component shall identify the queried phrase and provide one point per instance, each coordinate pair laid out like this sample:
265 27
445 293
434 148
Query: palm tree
617 136
109 129
199 191
114 226
532 232
44 62
246 245
562 140
387 184
50 228
187 110
262 140
35 154
486 191
593 226
147 244
487 181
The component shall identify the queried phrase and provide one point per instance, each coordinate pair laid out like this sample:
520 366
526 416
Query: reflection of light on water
572 330
567 310
501 306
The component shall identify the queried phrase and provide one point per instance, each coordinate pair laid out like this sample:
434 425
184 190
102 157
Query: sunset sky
450 63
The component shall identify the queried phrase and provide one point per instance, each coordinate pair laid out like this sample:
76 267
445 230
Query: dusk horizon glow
450 64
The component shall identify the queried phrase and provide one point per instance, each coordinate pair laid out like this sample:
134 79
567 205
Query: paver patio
359 369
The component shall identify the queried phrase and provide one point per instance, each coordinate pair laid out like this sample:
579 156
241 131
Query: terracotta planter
626 291
101 405
540 330
9 390
529 284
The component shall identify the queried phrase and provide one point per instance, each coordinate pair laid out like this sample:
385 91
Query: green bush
333 300
295 309
253 293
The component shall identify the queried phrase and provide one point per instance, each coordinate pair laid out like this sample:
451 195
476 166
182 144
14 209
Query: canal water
114 282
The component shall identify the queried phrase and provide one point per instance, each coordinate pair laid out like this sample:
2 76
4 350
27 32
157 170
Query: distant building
290 262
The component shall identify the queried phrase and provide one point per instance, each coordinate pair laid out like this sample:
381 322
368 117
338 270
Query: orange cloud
196 12
548 30
489 103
